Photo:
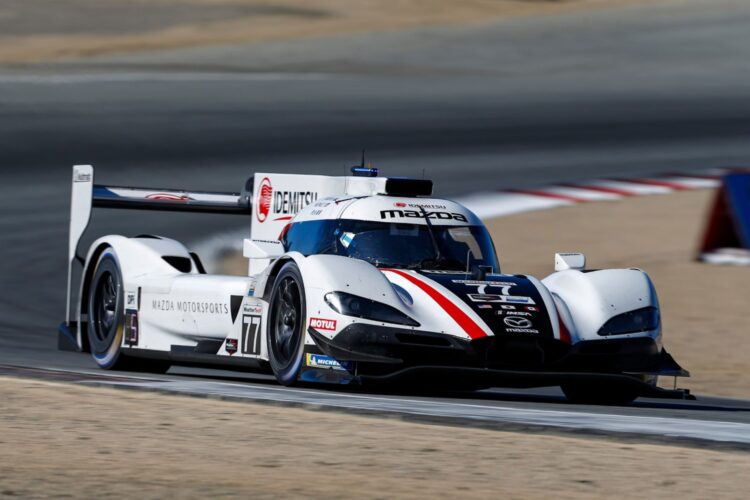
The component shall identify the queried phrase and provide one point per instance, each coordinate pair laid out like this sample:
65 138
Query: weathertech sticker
320 361
323 324
513 299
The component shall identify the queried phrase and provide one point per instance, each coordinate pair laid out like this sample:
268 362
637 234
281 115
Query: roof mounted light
364 172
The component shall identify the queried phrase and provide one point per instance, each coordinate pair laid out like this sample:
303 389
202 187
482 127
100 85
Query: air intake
182 264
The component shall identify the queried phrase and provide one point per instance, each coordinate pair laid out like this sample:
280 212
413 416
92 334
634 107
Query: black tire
599 393
106 320
286 327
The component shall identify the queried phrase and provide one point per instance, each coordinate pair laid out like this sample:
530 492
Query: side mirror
574 261
262 249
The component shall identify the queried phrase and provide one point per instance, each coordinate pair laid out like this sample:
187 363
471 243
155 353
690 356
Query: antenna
362 171
423 173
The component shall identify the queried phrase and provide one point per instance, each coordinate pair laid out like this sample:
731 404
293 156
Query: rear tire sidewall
287 372
106 346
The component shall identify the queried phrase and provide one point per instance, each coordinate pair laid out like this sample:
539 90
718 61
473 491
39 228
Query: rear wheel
598 393
106 320
286 329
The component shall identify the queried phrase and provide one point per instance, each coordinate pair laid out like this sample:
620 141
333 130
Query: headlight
359 307
640 320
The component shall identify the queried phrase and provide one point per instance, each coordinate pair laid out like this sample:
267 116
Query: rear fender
137 257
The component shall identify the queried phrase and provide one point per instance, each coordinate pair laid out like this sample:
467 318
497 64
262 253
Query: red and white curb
489 204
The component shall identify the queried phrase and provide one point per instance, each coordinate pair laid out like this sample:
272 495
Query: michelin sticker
320 361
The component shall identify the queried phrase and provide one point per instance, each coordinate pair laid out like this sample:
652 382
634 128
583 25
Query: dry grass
35 31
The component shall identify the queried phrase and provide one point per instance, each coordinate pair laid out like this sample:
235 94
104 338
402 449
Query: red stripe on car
464 321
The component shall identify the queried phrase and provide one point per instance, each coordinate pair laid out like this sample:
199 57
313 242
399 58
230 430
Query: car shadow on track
543 396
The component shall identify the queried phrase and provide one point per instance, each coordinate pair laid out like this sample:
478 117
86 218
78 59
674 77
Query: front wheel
286 328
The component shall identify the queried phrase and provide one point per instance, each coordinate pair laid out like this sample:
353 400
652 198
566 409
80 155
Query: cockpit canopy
395 245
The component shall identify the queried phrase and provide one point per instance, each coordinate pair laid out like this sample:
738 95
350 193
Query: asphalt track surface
629 92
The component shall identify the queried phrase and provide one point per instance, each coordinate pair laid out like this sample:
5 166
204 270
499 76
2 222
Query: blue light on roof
364 172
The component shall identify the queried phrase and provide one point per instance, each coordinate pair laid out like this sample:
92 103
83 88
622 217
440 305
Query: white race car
358 279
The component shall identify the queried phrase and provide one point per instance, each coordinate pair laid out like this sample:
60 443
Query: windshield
409 246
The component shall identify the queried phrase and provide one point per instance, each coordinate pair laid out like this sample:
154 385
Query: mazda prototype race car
359 279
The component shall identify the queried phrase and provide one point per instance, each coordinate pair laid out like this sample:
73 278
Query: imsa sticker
325 362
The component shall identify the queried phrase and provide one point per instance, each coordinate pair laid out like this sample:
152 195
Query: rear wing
85 195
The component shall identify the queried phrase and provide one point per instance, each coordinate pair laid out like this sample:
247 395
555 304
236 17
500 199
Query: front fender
594 297
326 273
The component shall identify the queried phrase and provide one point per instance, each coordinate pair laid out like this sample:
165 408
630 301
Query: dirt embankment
67 440
53 29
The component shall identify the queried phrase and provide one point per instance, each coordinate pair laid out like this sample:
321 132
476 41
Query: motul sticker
323 324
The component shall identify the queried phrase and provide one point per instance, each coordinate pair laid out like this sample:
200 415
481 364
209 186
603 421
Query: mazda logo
514 322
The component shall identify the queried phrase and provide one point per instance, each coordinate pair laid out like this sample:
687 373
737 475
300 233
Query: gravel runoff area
43 30
64 440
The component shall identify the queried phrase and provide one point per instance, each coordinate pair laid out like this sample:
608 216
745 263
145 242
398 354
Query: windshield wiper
442 263
433 238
